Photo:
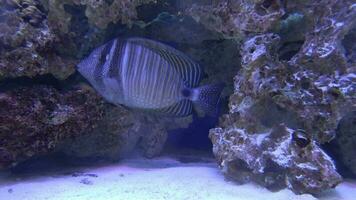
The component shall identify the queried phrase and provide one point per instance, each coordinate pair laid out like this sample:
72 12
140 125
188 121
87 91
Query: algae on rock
34 120
289 98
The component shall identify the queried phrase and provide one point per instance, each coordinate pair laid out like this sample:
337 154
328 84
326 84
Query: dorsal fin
189 70
179 109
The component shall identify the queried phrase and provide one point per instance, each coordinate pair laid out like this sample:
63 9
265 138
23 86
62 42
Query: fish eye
103 58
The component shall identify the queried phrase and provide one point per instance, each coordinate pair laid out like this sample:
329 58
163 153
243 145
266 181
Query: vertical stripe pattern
141 73
102 58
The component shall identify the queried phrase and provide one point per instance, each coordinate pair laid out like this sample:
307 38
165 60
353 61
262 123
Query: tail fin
208 96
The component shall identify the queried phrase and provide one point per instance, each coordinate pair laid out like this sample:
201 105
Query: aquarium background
287 115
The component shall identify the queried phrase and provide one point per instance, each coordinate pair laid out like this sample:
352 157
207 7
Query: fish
144 74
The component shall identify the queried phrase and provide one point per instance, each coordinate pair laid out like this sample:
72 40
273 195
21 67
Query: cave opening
192 141
344 143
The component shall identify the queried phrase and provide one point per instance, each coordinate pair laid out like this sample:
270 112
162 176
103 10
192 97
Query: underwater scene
177 100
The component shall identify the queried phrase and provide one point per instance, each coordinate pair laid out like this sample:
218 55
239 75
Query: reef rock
37 120
288 99
120 132
115 135
27 42
275 91
279 158
237 18
99 12
47 37
33 120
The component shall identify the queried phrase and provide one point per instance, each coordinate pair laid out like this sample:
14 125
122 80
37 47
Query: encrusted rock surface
37 120
115 135
99 12
289 97
274 91
46 37
120 132
278 158
27 43
33 120
238 18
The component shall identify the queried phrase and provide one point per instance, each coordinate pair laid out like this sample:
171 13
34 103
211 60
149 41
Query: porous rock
279 158
121 132
33 120
285 104
27 42
237 18
114 136
47 37
270 100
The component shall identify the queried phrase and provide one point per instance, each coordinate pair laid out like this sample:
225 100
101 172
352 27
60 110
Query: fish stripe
156 79
124 68
114 69
171 60
135 76
165 82
98 69
188 69
153 78
182 108
144 73
127 71
130 71
163 74
139 72
109 59
148 75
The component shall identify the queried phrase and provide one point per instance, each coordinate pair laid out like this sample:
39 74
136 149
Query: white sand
141 179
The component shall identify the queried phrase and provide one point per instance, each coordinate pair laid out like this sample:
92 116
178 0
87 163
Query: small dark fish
145 74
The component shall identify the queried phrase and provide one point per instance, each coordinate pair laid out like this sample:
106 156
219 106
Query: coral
47 37
278 158
238 18
33 120
276 91
291 87
99 13
27 43
322 50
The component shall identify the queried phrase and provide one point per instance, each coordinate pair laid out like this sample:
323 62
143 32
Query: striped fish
145 74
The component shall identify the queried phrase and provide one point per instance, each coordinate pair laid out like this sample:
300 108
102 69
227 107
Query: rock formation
289 97
35 119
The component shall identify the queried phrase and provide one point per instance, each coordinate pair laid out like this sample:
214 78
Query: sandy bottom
141 179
